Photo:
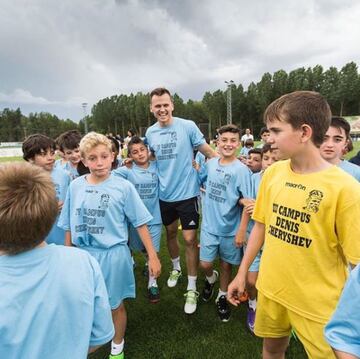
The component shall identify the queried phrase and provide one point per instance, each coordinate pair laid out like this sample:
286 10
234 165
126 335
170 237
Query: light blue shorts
117 268
255 265
135 242
212 246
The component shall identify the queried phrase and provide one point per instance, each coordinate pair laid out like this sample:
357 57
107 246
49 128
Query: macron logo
192 223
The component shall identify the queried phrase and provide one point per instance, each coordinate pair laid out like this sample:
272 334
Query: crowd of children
287 225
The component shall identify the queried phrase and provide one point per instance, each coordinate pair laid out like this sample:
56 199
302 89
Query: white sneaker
191 298
173 278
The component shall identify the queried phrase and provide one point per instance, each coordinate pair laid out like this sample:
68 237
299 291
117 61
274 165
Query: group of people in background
284 212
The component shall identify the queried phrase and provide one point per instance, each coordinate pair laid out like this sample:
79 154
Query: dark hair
229 128
299 108
134 141
115 143
133 132
266 148
255 150
340 122
82 169
28 207
159 91
263 130
69 140
36 144
249 142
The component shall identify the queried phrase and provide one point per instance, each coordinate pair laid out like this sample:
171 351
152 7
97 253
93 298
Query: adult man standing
246 136
172 141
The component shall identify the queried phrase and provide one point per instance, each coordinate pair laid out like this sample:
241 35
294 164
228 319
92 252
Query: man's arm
207 151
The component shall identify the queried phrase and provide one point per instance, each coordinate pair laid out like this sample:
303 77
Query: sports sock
220 294
152 281
212 278
117 348
252 304
176 263
191 283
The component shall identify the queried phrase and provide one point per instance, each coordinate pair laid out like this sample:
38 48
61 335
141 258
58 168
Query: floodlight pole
228 102
84 106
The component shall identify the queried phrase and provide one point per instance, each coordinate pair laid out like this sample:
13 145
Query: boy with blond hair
41 298
304 211
39 150
96 213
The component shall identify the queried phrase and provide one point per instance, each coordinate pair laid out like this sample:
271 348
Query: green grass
10 159
164 331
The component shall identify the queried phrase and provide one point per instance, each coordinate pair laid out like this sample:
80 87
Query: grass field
164 331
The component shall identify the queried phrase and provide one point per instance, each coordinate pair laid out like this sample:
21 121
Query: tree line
118 113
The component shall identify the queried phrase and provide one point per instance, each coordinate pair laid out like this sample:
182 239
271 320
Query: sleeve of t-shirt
245 183
347 223
343 330
135 209
122 172
259 209
64 219
102 329
202 173
196 137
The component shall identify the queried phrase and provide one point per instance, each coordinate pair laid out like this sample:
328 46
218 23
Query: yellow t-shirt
312 229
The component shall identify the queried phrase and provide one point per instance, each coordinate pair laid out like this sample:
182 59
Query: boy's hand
249 207
127 162
240 239
235 290
154 266
60 205
195 165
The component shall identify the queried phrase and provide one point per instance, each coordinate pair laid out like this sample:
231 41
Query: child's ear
306 132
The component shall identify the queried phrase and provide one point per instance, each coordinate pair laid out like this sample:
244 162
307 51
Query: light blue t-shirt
61 181
72 171
53 304
225 185
146 183
351 169
173 147
98 215
255 183
343 330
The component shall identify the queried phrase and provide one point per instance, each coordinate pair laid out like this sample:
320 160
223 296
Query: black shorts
187 210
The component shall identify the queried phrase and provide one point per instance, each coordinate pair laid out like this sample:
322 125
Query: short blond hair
28 206
91 140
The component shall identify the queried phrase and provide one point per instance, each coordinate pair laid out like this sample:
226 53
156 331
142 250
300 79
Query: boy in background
143 175
253 161
41 298
335 142
69 145
264 135
40 151
227 180
96 213
268 157
305 212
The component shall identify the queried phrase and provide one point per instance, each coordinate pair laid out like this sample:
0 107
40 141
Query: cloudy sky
55 55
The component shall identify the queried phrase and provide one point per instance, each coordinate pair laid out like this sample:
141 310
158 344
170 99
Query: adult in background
172 140
246 136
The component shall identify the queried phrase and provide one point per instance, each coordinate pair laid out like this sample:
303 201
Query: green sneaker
191 298
173 279
117 356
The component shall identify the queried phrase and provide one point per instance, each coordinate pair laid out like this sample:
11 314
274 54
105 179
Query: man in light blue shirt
172 141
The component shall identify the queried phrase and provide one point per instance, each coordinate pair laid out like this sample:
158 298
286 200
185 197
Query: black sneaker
154 294
223 308
208 290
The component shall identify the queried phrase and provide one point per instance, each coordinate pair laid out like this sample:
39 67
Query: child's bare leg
225 275
119 319
207 268
274 348
250 284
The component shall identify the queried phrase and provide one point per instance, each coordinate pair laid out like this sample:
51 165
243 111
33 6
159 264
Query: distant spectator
246 136
264 135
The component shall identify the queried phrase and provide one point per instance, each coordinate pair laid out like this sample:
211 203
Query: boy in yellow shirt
304 215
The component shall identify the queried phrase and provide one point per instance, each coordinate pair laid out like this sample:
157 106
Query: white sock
212 278
152 282
176 263
117 348
220 294
252 304
191 282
